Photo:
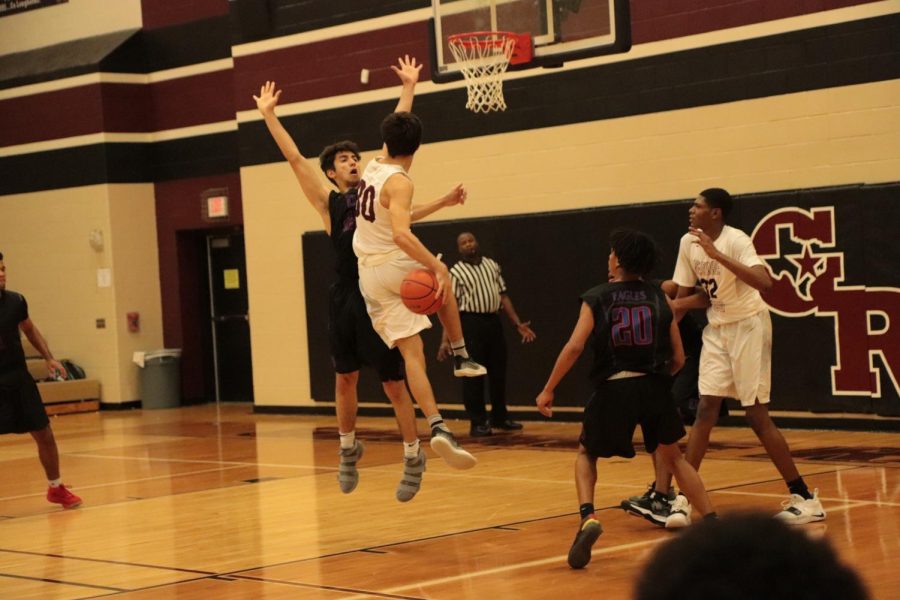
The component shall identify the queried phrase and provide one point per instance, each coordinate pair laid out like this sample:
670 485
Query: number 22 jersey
730 298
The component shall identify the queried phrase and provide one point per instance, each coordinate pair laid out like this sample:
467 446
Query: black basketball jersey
631 328
13 310
342 208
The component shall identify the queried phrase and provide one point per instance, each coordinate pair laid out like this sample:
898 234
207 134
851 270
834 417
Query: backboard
561 30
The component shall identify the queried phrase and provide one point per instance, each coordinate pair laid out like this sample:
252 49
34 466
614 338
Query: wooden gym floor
176 506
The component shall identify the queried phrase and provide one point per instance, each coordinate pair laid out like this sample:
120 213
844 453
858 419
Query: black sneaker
466 367
650 505
580 552
443 442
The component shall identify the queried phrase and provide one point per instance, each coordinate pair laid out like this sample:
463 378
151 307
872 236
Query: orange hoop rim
482 39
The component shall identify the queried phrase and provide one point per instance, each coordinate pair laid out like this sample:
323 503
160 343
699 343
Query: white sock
411 450
459 348
348 440
436 420
55 482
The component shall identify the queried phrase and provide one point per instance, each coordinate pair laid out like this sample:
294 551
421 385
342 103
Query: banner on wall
11 7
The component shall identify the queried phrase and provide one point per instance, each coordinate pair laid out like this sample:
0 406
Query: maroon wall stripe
652 20
164 13
320 70
196 100
52 115
331 67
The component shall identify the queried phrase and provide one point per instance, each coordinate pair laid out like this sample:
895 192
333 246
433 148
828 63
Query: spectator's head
2 273
402 133
746 557
340 163
632 251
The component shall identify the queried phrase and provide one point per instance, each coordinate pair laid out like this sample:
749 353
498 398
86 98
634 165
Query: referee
481 293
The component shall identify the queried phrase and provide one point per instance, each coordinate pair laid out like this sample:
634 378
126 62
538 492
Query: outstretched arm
455 196
40 344
408 72
567 357
522 327
311 182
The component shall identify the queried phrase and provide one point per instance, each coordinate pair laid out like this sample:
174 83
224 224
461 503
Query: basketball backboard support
561 30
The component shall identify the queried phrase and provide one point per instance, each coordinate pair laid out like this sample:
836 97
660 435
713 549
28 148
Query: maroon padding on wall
178 225
163 13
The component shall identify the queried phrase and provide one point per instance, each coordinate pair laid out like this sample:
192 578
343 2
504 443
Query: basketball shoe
61 495
466 367
348 476
580 552
651 505
797 510
443 442
680 515
413 469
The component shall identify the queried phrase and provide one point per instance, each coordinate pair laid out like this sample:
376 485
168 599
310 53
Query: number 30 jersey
632 321
731 299
373 221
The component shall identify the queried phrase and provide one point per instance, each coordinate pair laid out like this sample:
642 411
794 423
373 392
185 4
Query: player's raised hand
408 71
268 97
455 196
705 242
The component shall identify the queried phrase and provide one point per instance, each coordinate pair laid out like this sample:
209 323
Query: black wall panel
549 259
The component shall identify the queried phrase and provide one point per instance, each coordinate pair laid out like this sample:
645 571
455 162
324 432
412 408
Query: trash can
160 378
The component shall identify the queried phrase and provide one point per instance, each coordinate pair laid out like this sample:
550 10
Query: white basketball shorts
736 360
379 281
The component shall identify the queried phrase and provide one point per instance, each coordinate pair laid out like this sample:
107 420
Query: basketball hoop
483 57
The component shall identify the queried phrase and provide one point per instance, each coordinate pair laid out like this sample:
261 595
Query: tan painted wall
812 139
49 259
74 20
135 257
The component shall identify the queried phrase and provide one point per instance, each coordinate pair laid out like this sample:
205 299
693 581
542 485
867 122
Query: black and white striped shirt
478 287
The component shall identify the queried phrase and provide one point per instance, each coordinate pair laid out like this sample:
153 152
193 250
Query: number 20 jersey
730 298
632 323
374 234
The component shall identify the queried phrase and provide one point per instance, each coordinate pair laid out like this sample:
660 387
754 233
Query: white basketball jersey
373 221
731 299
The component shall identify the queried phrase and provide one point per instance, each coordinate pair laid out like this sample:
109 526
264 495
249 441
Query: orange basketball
417 291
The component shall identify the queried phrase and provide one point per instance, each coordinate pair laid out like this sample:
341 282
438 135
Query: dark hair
1 256
402 133
746 557
718 198
326 157
636 251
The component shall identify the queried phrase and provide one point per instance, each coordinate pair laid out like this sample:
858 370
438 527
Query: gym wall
758 97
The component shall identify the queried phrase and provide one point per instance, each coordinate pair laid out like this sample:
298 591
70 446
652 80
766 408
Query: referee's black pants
486 344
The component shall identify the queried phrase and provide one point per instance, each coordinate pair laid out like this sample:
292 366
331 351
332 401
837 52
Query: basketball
417 291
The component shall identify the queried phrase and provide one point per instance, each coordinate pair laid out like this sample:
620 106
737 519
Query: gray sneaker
413 469
348 476
652 506
580 552
466 367
443 442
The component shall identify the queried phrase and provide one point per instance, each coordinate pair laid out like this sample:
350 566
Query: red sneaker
61 495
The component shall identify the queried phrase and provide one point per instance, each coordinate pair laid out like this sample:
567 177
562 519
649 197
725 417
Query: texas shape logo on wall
862 315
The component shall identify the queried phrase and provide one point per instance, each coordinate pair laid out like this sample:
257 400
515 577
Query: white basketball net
483 58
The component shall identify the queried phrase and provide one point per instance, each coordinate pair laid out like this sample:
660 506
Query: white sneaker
680 514
797 510
466 367
446 446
